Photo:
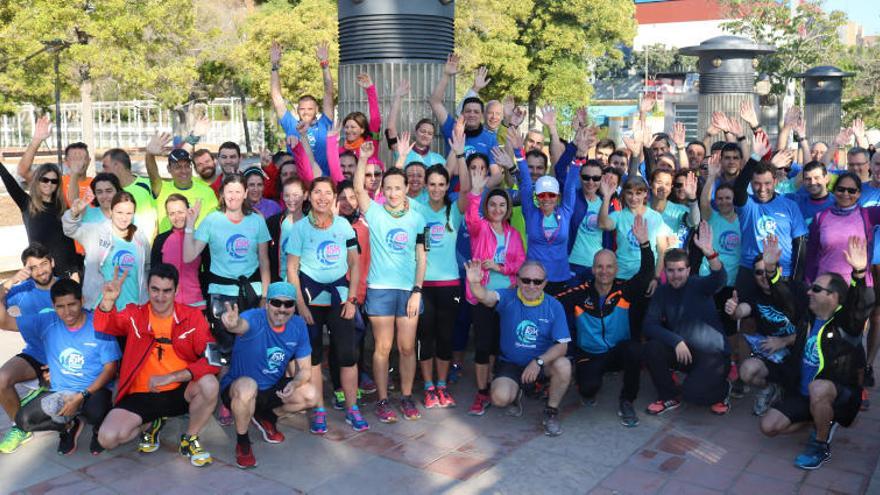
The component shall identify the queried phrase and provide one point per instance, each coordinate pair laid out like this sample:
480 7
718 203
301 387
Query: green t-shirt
145 216
195 192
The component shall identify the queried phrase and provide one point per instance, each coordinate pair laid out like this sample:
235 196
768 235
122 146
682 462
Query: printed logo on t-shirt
590 223
237 246
328 253
631 238
500 254
811 355
396 240
526 334
72 361
766 225
124 259
436 230
728 240
275 358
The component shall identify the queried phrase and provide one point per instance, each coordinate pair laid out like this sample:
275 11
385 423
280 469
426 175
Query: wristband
859 272
325 64
187 230
352 299
459 155
416 289
756 127
712 256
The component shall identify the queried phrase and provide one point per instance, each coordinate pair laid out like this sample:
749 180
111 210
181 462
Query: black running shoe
67 438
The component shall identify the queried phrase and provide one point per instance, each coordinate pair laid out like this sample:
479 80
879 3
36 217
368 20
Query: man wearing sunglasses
534 340
270 368
827 357
164 370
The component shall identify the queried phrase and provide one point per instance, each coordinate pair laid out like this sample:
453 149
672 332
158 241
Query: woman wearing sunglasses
320 251
41 208
831 229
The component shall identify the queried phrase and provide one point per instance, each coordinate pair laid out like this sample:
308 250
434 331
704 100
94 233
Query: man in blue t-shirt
534 338
26 293
813 197
81 362
270 368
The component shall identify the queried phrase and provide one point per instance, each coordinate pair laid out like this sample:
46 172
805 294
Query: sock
429 384
244 439
484 391
441 383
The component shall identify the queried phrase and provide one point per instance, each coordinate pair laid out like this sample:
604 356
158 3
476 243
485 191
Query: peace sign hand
112 289
192 214
230 318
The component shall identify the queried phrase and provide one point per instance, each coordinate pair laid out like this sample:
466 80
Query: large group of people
716 264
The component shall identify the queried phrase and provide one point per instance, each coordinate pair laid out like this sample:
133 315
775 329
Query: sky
864 12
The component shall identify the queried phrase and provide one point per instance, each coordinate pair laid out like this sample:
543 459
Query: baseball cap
179 154
254 170
547 184
281 290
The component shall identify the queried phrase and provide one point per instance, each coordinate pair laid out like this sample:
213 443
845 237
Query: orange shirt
84 184
162 359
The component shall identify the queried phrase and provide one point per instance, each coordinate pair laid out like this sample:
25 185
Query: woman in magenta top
168 248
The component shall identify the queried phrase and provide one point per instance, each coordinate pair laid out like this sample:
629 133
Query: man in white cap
270 341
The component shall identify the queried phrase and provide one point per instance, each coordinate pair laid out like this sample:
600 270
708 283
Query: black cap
179 154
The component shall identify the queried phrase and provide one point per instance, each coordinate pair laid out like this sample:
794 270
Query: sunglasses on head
279 303
49 180
594 178
531 281
848 190
547 195
818 289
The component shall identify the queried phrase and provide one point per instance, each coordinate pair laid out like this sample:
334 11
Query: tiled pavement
687 451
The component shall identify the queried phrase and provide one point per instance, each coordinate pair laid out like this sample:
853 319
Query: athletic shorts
388 302
266 399
796 407
150 406
514 371
40 369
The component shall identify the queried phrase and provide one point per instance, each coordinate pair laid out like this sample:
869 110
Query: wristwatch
86 394
539 361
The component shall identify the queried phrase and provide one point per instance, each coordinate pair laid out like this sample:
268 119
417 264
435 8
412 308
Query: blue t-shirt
809 206
317 134
30 300
589 236
76 357
262 353
810 361
779 216
498 280
528 331
629 255
126 256
442 262
870 195
233 247
726 242
392 247
481 143
283 241
323 254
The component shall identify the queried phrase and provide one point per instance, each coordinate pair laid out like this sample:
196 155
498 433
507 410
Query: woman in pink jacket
499 247
357 129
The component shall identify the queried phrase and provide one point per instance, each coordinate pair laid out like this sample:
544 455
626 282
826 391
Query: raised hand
20 276
507 105
275 53
474 271
367 149
731 304
647 103
548 116
451 67
735 127
402 89
857 253
606 186
364 81
585 139
703 240
501 158
843 137
478 180
800 127
457 141
42 128
640 229
480 79
157 143
230 317
713 162
518 116
720 121
761 145
791 116
192 213
858 128
783 158
514 139
747 113
111 290
322 51
690 186
292 141
772 251
679 134
79 205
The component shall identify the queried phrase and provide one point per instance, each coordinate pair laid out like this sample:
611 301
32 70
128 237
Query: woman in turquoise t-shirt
281 225
394 283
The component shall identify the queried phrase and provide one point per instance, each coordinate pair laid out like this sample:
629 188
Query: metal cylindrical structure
823 88
727 75
393 40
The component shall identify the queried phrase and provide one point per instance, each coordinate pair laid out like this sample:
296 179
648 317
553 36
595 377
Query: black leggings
342 335
487 333
706 381
437 322
626 356
360 332
32 418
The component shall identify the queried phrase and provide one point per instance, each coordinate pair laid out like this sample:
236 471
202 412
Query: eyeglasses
818 289
848 190
531 281
547 195
858 164
594 178
278 303
759 272
47 180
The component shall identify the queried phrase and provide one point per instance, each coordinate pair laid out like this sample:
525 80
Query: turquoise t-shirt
234 248
498 280
726 242
589 236
442 263
125 255
284 240
323 254
93 214
550 225
392 247
673 216
629 256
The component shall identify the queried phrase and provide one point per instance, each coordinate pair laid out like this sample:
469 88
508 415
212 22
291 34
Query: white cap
547 184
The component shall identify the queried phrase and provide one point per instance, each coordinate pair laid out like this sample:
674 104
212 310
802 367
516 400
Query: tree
659 58
861 93
540 50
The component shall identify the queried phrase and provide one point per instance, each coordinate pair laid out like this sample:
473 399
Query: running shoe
14 438
354 418
431 399
67 438
318 425
192 448
454 373
866 400
339 400
722 407
384 412
224 416
552 426
765 398
150 437
268 429
367 384
627 414
244 456
95 446
662 406
515 408
815 454
481 403
409 409
445 397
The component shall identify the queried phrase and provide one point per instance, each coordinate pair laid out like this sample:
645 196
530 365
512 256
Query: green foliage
660 58
861 93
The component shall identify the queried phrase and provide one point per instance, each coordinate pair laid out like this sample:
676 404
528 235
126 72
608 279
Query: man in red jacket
164 370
